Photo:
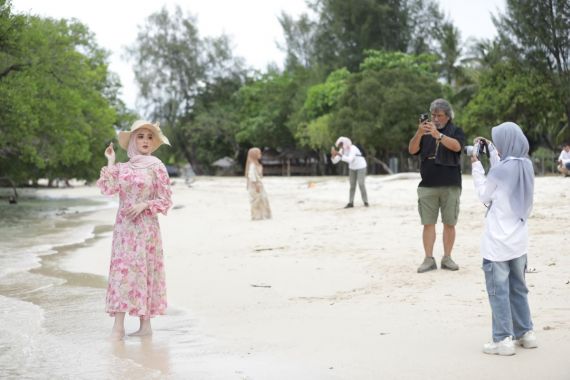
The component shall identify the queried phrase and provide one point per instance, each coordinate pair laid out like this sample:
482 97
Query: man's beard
438 125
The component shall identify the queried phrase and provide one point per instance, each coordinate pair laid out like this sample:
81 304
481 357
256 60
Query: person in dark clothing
439 144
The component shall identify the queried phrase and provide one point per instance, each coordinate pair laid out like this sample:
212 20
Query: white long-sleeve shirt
353 157
505 236
564 157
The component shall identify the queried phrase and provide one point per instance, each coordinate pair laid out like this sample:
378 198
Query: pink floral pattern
136 276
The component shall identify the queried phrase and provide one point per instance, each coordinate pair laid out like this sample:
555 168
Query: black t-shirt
440 166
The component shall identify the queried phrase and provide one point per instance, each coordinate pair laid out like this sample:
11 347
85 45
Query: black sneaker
349 205
366 204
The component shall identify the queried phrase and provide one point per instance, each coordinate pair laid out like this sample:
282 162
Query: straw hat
158 140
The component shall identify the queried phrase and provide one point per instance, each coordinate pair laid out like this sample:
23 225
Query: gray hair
442 105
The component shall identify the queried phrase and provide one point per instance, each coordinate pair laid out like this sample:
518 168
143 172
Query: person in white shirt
350 154
564 160
507 192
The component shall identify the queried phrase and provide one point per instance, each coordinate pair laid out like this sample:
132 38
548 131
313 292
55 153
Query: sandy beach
319 292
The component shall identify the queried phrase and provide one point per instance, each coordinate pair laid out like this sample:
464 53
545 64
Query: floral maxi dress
136 275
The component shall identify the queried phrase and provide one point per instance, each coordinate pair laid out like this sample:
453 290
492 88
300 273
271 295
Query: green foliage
365 69
318 133
423 64
215 120
55 112
537 34
380 108
265 108
323 97
299 36
345 29
546 160
450 41
377 107
509 93
174 68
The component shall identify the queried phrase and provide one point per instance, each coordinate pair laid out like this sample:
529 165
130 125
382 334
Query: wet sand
318 292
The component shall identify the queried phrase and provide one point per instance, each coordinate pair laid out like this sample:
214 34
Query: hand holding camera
480 146
426 127
334 152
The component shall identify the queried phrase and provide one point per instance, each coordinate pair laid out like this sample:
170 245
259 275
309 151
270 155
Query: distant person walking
507 191
438 143
350 154
257 196
136 276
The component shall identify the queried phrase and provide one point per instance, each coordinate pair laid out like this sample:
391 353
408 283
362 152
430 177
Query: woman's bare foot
143 331
118 331
145 328
117 334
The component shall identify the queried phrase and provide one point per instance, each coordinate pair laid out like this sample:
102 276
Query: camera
424 117
479 148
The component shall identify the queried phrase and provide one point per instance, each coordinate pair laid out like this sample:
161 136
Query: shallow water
53 321
35 227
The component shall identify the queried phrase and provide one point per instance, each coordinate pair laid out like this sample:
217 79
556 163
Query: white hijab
514 173
346 143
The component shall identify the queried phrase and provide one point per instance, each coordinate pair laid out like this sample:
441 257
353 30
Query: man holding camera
439 144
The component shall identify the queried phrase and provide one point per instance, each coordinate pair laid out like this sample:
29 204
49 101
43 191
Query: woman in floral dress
136 276
257 196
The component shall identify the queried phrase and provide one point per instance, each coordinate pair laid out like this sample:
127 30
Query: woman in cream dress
257 196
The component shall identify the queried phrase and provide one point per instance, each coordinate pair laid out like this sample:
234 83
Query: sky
251 24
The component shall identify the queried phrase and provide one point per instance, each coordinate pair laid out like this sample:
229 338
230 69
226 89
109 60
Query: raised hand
110 154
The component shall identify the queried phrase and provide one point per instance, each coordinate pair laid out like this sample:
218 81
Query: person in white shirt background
507 192
564 160
350 154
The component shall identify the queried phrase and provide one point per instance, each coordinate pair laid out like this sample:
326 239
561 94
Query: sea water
52 322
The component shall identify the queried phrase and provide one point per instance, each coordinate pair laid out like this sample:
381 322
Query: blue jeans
508 296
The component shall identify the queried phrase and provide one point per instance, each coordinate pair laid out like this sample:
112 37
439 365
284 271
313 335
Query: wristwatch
440 136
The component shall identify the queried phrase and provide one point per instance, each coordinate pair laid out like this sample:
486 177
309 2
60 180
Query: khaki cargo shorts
432 199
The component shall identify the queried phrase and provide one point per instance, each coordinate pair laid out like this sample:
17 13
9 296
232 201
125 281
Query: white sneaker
528 340
505 347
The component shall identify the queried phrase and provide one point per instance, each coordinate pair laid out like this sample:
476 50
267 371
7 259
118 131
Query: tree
265 107
450 41
338 32
321 101
510 92
538 33
55 114
214 122
345 29
381 105
424 23
173 66
299 40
